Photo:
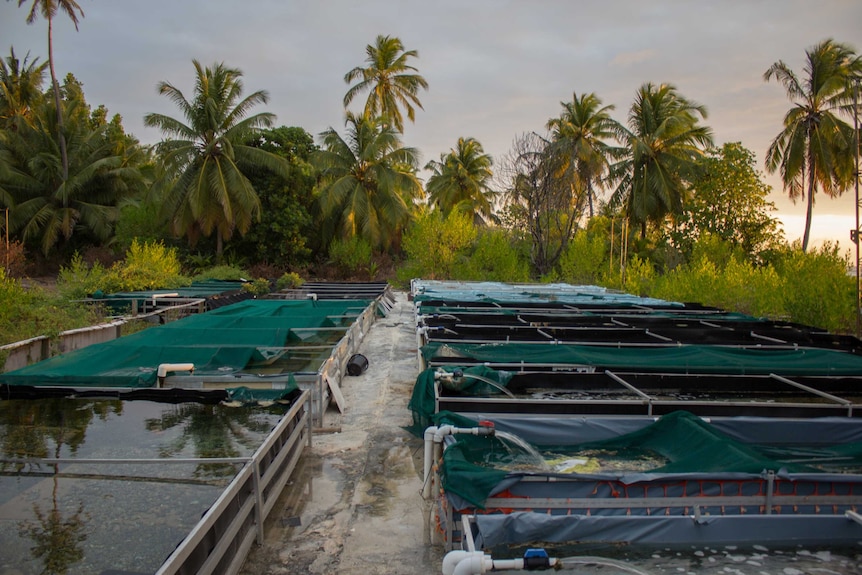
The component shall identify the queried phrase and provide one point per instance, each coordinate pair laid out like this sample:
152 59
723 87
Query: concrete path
354 507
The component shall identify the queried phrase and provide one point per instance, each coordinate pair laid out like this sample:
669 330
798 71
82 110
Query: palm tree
48 206
368 181
663 147
391 83
581 134
20 89
48 9
813 145
207 157
461 180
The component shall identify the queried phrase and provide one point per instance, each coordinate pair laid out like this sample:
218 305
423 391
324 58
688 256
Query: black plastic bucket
357 364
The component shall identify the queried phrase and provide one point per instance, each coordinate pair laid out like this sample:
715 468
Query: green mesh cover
686 442
244 396
682 359
230 339
422 402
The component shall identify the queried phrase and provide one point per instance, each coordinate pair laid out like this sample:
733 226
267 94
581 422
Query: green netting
245 335
244 396
423 403
682 359
688 316
472 464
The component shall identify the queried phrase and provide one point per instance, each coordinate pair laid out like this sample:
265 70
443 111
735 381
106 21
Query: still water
94 518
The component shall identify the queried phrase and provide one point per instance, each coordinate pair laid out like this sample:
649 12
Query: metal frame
220 542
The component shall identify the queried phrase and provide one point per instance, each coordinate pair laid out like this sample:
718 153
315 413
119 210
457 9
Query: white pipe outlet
466 563
434 447
476 562
164 368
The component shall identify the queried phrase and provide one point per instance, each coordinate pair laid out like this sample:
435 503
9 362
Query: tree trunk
219 246
60 131
810 210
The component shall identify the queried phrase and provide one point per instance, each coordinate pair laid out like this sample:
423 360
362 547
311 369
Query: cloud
626 59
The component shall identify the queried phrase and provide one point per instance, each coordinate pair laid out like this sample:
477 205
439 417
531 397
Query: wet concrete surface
354 504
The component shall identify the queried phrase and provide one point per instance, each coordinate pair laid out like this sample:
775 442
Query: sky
496 68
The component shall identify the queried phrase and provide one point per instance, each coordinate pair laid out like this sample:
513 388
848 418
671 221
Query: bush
585 260
350 256
260 286
435 245
30 312
493 258
146 267
290 280
817 290
13 260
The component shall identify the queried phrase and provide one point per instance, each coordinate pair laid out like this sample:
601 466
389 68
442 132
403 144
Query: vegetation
27 312
461 181
389 80
367 181
814 149
651 205
208 158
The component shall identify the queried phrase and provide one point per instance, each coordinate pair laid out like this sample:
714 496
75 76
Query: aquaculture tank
675 480
176 483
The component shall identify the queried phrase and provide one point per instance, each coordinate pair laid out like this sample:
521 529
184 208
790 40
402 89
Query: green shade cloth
224 341
423 403
681 359
686 442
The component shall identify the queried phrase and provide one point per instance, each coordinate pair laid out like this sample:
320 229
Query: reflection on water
75 517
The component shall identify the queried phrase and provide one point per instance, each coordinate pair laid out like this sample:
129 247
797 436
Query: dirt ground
354 506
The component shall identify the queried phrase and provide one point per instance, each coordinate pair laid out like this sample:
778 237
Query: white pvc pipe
164 368
475 563
434 448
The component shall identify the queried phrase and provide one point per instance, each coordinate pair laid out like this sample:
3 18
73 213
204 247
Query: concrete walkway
354 507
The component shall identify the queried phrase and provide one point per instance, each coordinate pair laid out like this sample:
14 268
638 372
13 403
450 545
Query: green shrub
435 245
149 266
30 312
817 290
79 280
493 258
289 280
350 256
585 260
146 267
260 286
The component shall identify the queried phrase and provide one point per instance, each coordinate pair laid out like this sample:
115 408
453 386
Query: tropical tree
390 81
48 206
539 200
581 136
20 89
663 147
207 157
48 9
286 223
814 148
368 181
461 180
730 202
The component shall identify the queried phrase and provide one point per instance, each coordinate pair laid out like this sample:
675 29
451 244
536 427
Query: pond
101 508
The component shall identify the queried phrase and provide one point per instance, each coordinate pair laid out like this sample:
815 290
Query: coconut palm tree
207 156
461 180
368 180
581 135
20 89
663 147
48 9
48 206
814 143
390 81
